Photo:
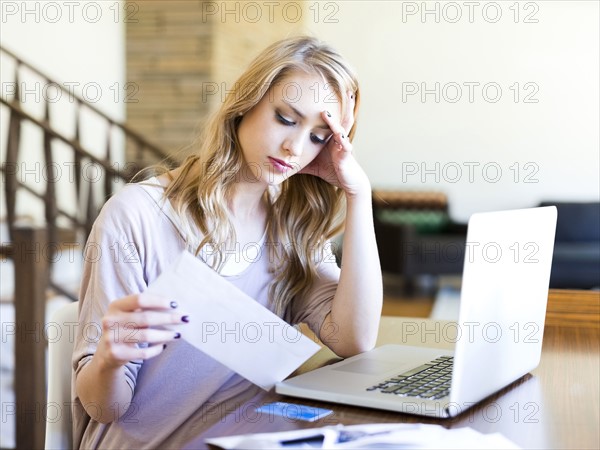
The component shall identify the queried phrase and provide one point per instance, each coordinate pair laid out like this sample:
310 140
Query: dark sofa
576 259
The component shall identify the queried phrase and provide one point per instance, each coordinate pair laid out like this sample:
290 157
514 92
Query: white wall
82 46
553 142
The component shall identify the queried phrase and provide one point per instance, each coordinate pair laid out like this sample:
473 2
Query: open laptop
498 337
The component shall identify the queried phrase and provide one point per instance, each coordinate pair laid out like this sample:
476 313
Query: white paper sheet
385 435
230 326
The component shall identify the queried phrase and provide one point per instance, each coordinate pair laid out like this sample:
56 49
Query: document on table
230 326
384 435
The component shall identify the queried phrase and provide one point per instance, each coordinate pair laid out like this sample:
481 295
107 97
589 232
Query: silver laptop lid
503 301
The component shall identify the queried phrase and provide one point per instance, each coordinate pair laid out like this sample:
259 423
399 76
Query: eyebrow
323 126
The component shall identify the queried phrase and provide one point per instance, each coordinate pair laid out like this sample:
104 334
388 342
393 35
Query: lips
280 163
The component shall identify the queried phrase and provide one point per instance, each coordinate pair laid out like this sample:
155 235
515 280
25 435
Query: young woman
275 173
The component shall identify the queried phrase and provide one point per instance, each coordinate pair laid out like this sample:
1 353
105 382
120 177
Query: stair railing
32 266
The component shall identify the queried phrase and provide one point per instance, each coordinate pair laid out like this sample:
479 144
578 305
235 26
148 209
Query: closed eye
283 120
313 137
317 140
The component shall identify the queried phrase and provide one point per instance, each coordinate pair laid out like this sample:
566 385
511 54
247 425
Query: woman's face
285 131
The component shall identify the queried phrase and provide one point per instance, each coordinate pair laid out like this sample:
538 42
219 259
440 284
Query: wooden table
556 406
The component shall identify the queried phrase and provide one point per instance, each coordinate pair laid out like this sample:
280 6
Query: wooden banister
31 281
134 135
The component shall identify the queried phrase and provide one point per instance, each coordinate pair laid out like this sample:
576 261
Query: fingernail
185 319
164 346
177 335
343 136
328 113
173 305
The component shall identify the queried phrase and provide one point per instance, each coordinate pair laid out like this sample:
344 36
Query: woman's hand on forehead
336 163
347 120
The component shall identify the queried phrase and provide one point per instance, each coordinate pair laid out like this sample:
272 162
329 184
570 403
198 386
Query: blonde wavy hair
305 213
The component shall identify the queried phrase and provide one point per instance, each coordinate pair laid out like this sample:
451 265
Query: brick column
180 52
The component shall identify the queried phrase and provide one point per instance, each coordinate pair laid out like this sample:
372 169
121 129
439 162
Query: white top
237 259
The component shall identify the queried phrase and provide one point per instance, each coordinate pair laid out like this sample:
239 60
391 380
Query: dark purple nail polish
185 319
177 335
173 305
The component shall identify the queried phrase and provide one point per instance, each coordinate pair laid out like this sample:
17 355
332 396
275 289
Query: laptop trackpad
368 366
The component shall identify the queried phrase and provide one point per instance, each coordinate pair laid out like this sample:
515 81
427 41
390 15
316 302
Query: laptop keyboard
429 381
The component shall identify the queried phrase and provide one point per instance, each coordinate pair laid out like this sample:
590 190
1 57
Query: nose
293 145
